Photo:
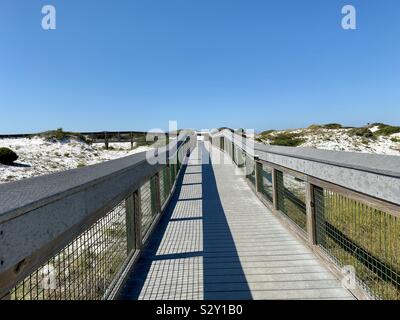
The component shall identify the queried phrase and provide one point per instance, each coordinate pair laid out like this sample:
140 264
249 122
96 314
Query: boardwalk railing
345 206
75 234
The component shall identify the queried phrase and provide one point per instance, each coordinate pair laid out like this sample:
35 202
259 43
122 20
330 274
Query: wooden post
138 218
131 137
258 174
310 205
168 170
130 223
106 139
274 189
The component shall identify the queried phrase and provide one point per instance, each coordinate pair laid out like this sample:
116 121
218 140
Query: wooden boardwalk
217 240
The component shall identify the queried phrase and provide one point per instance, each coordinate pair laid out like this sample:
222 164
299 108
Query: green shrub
332 126
387 130
267 132
7 156
395 139
81 165
61 135
362 132
287 139
314 127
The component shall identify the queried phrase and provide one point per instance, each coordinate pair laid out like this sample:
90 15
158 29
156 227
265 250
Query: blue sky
134 65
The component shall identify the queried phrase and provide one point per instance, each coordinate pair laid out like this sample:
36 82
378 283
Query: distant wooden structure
105 137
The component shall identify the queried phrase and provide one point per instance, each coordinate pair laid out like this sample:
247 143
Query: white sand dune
38 156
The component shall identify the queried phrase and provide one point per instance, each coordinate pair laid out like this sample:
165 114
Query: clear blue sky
262 64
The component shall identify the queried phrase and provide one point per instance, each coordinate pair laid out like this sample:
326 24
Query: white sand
38 156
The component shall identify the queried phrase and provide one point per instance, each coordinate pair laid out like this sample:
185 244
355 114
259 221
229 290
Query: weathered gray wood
258 178
351 170
274 189
130 223
40 216
137 207
368 200
218 241
158 191
106 140
310 205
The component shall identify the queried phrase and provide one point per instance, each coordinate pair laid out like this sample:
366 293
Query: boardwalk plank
217 240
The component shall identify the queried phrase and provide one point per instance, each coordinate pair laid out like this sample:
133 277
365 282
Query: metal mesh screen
85 268
291 194
239 157
165 185
171 173
154 188
358 235
250 169
163 195
145 201
235 155
265 185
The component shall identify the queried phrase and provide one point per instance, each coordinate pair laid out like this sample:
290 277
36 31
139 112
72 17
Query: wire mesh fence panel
146 207
235 154
171 174
265 179
163 195
154 195
250 169
175 171
229 148
84 269
291 194
178 159
357 235
165 185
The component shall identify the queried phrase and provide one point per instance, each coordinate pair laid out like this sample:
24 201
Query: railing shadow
141 270
222 273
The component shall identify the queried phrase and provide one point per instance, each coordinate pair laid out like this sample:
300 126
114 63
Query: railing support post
130 223
275 189
131 138
233 153
257 173
138 218
106 140
310 206
167 163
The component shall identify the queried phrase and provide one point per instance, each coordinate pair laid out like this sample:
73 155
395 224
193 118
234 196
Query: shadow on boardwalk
171 271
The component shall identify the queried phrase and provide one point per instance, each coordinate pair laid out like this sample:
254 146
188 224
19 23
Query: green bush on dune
362 132
61 135
287 139
7 156
387 130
